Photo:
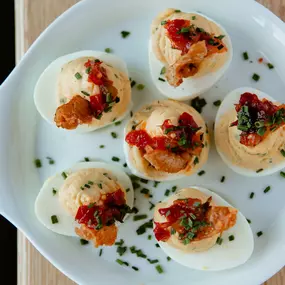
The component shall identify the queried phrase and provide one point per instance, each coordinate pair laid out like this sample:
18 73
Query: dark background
8 233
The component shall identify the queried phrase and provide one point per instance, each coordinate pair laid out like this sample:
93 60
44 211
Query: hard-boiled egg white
227 105
191 87
47 203
220 257
45 90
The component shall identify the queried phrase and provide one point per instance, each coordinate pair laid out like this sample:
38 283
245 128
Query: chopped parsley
54 219
83 241
125 34
198 104
77 75
38 163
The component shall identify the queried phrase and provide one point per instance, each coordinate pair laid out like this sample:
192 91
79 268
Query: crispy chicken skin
76 111
186 65
164 160
105 236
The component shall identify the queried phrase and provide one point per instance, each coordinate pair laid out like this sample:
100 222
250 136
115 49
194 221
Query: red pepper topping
97 73
182 35
257 118
114 208
177 138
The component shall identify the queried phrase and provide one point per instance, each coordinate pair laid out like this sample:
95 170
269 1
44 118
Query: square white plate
25 136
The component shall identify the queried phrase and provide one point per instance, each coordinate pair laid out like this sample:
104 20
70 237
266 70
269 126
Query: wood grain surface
32 17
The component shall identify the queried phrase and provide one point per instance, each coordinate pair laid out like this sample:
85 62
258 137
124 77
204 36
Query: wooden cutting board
32 17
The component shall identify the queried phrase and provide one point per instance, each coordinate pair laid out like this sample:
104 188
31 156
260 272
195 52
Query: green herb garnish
245 56
115 158
140 86
259 170
38 163
202 172
198 104
163 70
270 65
77 75
125 34
83 241
249 221
152 261
219 241
85 93
251 195
196 160
101 251
231 237
108 50
177 11
139 217
282 174
255 77
167 192
223 179
163 22
282 151
217 103
117 123
193 17
121 250
135 268
260 233
54 219
267 189
101 146
64 175
114 135
144 180
54 191
86 159
121 262
161 79
159 269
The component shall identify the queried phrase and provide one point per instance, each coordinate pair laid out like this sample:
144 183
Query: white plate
24 136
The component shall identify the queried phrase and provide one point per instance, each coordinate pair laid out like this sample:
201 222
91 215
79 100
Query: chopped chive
140 86
135 268
64 175
133 249
128 190
100 185
255 77
54 219
121 242
38 163
259 170
86 159
121 262
270 65
193 17
156 245
77 75
151 205
50 160
144 180
117 123
149 237
155 183
114 135
168 258
101 251
251 195
198 104
260 233
217 103
223 179
121 250
282 151
219 241
267 189
86 185
202 172
161 79
249 221
101 146
85 93
136 185
172 231
88 69
108 50
167 192
139 217
82 188
231 237
196 160
177 11
245 56
142 228
114 158
133 83
54 191
163 22
184 30
125 165
159 269
83 241
145 191
125 34
152 261
163 70
174 188
282 174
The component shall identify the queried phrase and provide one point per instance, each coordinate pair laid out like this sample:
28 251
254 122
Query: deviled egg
166 140
88 200
85 91
250 132
200 230
188 53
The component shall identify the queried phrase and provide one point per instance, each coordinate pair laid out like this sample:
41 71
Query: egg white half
220 257
48 204
45 89
227 105
191 87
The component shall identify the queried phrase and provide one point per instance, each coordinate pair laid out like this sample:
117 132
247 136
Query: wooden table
32 16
